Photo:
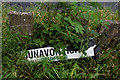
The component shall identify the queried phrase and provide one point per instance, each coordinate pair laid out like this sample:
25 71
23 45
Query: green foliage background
57 26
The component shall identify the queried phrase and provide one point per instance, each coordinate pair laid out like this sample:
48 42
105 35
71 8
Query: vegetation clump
58 25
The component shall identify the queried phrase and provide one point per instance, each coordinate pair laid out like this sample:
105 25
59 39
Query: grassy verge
15 66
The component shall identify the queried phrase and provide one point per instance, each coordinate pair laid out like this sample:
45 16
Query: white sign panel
48 52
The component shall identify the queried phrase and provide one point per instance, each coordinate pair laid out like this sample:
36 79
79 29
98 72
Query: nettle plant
67 24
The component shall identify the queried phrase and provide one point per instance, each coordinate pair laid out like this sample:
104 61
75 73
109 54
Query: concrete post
21 22
112 34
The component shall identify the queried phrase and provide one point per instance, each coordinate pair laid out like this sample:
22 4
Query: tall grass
15 66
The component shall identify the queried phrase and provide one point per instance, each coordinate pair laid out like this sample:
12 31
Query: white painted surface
48 52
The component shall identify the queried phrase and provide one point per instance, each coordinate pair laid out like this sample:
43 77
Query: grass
15 66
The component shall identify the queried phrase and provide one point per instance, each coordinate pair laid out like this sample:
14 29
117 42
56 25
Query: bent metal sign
49 53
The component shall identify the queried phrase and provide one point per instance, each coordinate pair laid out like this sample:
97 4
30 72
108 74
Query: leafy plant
68 24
